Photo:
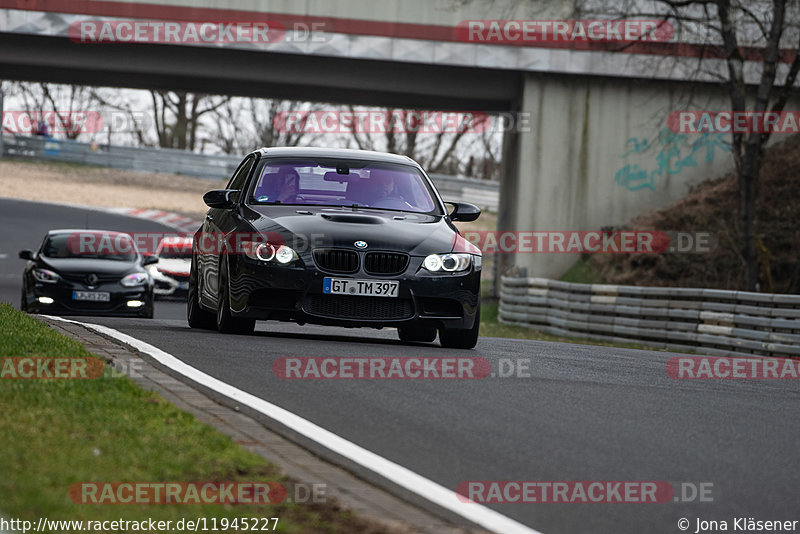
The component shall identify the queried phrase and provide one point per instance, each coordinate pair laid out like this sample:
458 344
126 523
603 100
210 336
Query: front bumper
170 286
64 304
264 291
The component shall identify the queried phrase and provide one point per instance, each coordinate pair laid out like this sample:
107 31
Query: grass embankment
56 433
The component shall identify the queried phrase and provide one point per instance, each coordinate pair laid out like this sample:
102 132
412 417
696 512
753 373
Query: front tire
461 338
195 315
23 302
226 323
149 311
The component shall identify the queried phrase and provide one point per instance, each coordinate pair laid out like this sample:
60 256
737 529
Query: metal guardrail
708 321
218 166
122 157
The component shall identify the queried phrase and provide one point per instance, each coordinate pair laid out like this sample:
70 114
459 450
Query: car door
219 223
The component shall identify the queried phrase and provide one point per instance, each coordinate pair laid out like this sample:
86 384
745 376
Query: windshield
90 245
362 184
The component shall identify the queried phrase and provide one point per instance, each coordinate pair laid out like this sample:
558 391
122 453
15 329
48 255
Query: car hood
415 233
78 266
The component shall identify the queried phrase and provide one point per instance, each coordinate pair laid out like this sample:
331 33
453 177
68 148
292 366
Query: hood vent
352 218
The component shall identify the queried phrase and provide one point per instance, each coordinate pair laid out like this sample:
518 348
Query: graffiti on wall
673 153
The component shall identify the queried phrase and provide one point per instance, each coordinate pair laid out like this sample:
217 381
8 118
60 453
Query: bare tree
437 148
177 116
66 106
241 124
137 121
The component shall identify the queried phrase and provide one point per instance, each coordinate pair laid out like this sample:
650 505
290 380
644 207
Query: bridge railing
212 166
708 321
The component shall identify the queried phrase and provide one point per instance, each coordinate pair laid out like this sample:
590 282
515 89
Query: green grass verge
59 432
582 272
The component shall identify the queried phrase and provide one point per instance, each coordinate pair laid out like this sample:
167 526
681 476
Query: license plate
93 296
370 288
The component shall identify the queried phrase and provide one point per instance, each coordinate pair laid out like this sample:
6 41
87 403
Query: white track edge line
402 476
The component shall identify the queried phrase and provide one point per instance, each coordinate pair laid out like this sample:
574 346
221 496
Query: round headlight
284 255
433 262
450 262
265 252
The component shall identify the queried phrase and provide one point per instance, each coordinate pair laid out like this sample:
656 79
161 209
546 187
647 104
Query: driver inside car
385 189
287 194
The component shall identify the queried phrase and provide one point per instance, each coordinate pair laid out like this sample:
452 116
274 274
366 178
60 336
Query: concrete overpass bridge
591 150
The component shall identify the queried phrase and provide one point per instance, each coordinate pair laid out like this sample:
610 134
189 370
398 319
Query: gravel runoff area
104 187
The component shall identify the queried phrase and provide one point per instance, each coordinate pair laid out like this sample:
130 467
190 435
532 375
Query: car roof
345 153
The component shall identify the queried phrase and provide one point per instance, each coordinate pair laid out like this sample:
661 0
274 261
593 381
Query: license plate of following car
370 288
94 296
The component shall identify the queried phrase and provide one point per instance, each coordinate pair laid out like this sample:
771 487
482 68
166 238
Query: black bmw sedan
87 272
335 237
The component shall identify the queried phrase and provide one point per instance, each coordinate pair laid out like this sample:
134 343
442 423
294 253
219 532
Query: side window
240 176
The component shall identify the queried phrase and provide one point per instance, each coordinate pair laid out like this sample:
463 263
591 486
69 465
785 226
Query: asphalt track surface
585 413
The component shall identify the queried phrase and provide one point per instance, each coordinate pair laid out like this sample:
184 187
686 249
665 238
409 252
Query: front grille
82 277
337 260
385 262
349 307
89 307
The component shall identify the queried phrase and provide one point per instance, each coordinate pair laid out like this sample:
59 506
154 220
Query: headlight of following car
269 253
134 279
450 263
45 275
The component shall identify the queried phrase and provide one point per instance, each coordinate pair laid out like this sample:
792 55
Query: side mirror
464 211
26 254
150 260
219 198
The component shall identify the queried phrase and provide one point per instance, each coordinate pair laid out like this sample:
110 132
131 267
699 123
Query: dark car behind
87 272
